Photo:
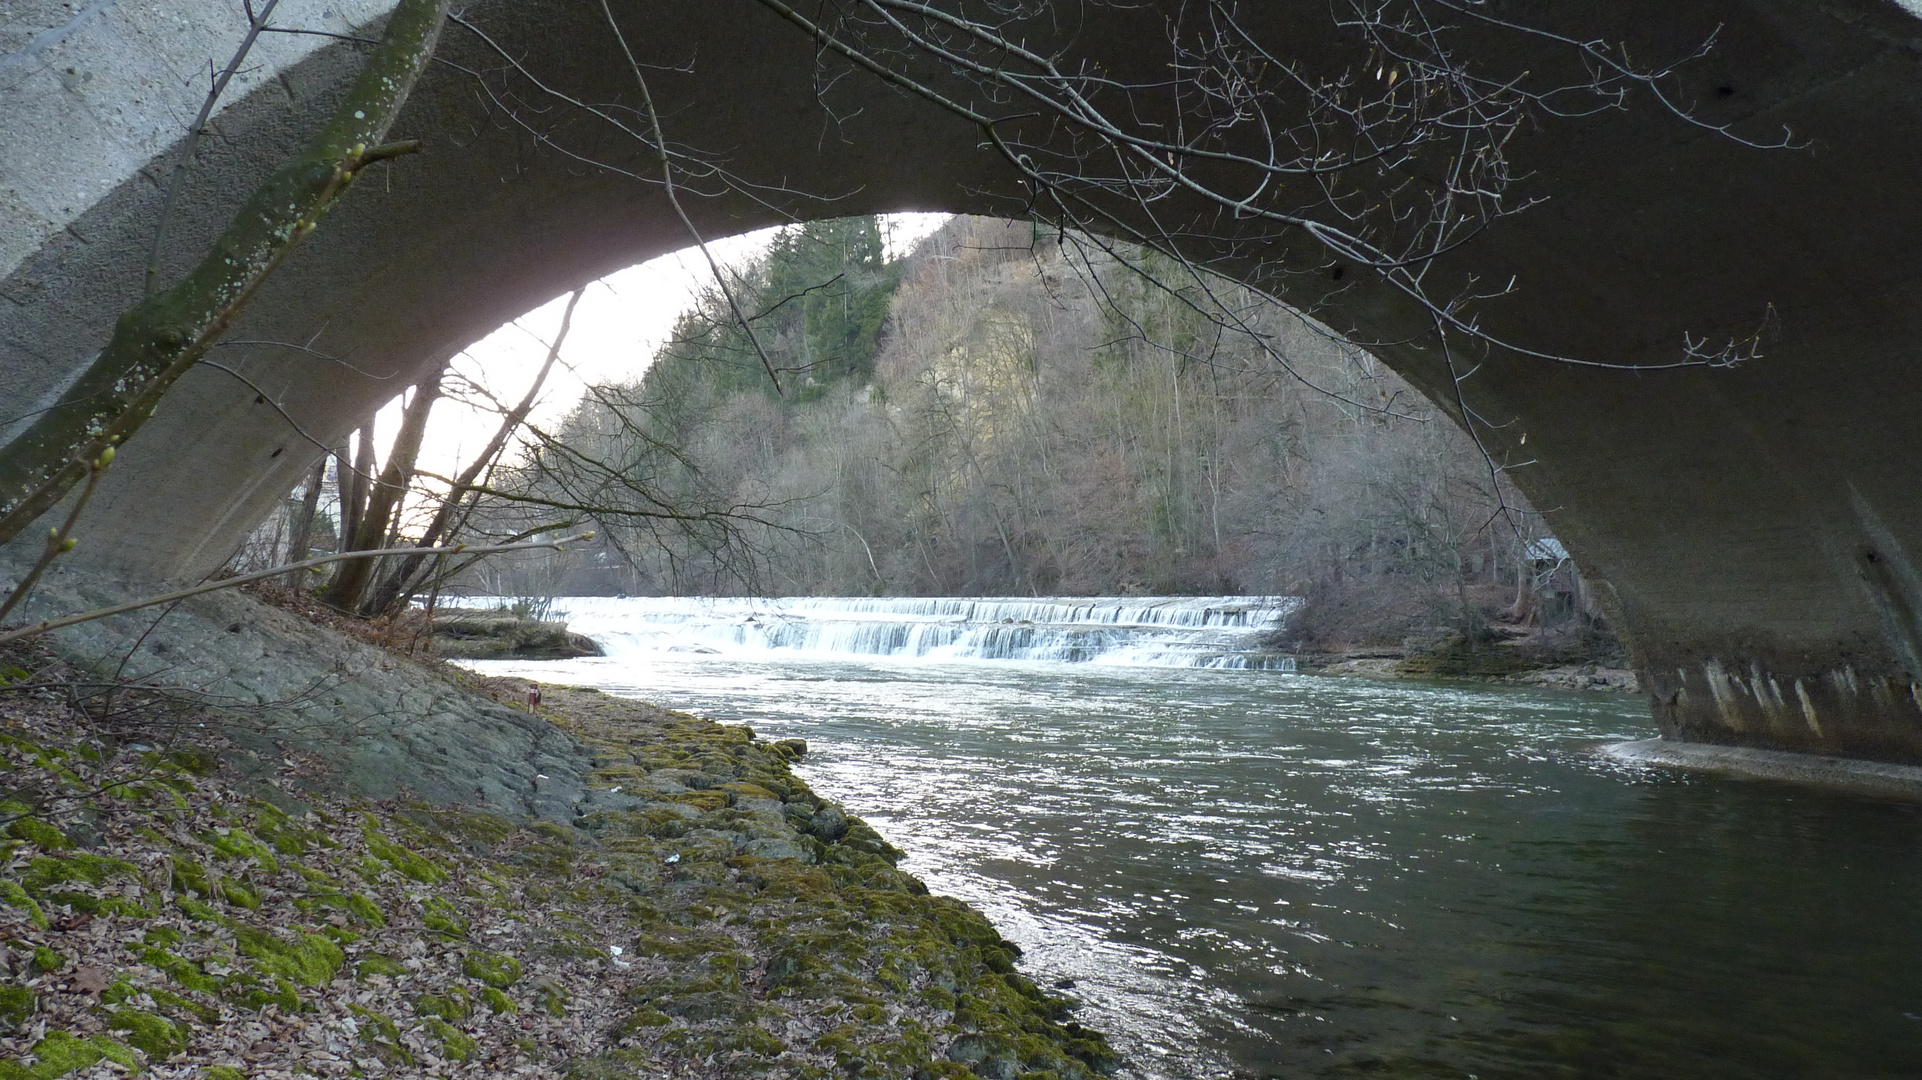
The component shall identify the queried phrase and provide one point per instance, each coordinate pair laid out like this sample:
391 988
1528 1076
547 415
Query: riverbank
1503 655
188 903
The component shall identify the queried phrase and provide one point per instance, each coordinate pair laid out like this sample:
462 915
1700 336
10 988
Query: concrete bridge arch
1753 527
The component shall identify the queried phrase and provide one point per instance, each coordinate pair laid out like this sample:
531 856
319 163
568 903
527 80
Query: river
1250 873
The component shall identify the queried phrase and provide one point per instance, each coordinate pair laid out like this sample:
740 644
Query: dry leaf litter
162 915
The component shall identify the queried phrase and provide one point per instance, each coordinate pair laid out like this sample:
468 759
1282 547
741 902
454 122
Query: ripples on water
1253 874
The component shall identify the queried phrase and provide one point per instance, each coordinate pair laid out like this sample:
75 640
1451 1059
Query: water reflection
1254 874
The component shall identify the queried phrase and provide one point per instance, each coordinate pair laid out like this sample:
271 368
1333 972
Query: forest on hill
1013 411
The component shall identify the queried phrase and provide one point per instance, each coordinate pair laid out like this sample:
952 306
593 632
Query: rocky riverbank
185 899
1498 655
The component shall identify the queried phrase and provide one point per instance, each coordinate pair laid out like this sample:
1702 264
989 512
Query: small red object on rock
533 697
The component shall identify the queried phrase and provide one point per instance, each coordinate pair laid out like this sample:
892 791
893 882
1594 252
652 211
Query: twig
60 540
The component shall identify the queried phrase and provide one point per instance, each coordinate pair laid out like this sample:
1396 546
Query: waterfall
1181 631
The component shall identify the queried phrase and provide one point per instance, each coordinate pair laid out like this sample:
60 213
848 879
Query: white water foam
1184 631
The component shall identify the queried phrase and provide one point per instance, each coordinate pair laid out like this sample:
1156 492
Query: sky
620 322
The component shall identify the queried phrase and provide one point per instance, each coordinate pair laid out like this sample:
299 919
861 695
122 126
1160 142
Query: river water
1253 873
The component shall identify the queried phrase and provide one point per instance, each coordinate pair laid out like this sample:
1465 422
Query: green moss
407 863
250 992
160 1037
194 909
645 1018
551 998
497 970
46 960
497 1001
456 1004
363 909
222 1072
241 844
34 831
14 896
443 917
191 877
46 871
193 760
707 801
311 959
180 970
382 1036
455 1044
238 893
16 1005
182 1006
89 904
63 1052
379 964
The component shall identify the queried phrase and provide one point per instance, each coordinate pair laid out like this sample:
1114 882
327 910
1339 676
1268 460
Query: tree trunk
303 540
400 581
344 591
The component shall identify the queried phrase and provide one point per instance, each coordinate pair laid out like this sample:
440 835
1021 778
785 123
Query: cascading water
1185 631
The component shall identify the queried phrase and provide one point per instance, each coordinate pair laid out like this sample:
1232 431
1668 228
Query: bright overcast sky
621 321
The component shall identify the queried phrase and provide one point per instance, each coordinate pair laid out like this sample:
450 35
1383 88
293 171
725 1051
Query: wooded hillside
1009 411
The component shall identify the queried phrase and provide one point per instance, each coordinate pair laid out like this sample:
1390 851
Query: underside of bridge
1754 528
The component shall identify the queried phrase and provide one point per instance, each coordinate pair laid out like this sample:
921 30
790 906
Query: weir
1188 631
1751 530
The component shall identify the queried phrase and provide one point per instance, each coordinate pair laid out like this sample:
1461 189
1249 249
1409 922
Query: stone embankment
191 888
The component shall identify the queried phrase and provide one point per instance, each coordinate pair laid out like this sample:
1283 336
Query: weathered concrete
1754 530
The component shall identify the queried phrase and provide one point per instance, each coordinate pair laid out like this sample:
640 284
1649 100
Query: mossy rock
707 801
745 790
222 1072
